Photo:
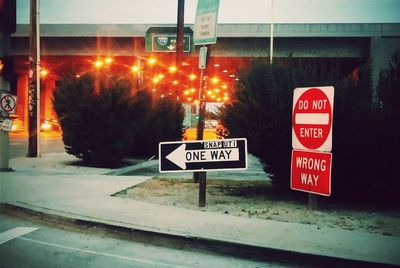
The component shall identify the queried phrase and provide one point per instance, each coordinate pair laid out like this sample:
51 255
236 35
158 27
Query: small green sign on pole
202 58
205 26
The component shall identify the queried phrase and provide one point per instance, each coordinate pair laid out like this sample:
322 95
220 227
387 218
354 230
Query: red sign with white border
311 172
312 118
8 103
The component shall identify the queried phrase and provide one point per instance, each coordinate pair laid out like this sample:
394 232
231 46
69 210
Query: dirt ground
255 199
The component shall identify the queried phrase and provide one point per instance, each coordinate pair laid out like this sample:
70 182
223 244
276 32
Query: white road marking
98 253
14 233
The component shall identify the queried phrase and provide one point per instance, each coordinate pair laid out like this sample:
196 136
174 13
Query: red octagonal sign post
312 118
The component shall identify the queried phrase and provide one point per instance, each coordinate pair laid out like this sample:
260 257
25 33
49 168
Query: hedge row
104 119
366 128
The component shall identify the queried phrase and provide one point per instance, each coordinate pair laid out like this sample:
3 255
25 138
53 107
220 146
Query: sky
230 11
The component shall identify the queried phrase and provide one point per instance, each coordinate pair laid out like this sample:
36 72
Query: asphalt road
24 243
49 143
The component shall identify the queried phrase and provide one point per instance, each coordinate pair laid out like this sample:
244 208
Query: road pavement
49 143
24 243
52 186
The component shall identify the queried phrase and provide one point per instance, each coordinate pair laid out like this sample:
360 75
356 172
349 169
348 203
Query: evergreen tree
388 93
162 122
95 114
103 122
261 112
354 138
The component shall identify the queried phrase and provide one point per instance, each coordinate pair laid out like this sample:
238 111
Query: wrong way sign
312 118
311 172
203 155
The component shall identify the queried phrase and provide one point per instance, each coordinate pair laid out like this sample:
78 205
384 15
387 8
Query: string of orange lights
169 80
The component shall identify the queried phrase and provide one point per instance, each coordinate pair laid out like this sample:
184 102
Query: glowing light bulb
173 69
108 60
135 68
98 63
151 61
43 72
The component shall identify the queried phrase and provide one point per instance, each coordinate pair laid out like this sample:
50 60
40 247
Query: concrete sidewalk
52 186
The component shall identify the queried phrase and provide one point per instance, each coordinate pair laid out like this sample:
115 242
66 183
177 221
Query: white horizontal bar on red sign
312 118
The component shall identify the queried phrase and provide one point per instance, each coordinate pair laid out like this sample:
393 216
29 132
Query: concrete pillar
381 50
22 105
47 99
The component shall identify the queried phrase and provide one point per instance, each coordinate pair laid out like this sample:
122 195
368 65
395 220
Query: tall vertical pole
271 34
179 33
201 177
38 77
4 85
34 81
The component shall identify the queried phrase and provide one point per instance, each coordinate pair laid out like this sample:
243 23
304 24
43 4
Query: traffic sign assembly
312 118
312 133
203 155
311 172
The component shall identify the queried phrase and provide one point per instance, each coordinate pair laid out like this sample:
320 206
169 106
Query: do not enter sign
312 118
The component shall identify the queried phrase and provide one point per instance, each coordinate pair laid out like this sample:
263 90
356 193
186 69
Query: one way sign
205 155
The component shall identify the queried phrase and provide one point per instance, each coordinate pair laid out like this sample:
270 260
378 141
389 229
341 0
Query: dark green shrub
103 122
96 117
354 138
388 145
163 122
261 112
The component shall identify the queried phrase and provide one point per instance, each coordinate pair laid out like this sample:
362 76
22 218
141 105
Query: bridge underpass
74 49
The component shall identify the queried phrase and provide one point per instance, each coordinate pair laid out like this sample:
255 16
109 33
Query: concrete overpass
65 46
234 40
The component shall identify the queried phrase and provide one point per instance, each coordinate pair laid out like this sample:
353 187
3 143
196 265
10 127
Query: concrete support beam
333 47
381 50
231 30
293 47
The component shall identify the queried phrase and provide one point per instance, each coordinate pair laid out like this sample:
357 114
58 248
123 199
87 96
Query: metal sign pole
38 78
33 83
4 85
180 33
201 177
312 202
271 38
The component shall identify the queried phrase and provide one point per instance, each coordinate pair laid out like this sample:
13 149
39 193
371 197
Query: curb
164 238
124 170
